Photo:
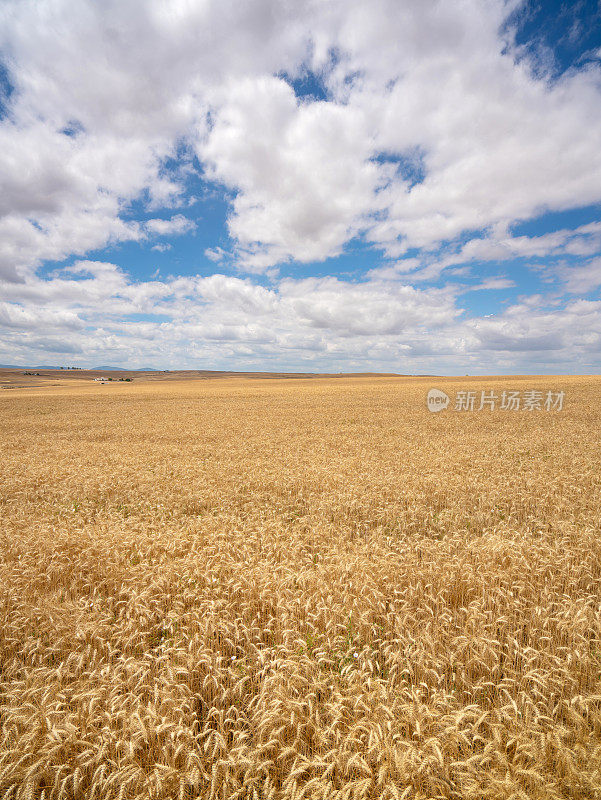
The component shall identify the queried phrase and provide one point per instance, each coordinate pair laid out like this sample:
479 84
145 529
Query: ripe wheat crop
244 590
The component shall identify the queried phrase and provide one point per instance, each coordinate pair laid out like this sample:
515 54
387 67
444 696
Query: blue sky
399 186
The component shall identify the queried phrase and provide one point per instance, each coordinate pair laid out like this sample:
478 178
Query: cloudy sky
319 185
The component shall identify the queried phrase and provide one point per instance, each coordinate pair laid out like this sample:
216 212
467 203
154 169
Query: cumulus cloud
177 225
304 181
581 279
526 328
215 254
497 143
90 308
500 245
425 132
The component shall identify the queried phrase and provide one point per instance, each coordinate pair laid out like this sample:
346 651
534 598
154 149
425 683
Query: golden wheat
307 589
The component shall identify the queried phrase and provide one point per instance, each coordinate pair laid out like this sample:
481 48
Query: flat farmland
241 589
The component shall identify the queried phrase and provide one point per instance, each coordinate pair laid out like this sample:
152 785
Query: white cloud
581 279
91 311
369 308
25 242
215 254
491 284
428 130
304 181
581 241
15 316
526 328
175 226
498 144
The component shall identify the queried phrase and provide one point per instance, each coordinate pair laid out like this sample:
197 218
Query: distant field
244 589
32 377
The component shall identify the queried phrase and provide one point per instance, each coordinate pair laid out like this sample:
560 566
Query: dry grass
299 590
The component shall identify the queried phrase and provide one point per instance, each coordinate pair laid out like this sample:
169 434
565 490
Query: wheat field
234 589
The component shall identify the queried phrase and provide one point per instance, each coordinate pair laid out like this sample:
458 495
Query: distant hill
20 366
105 368
125 369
